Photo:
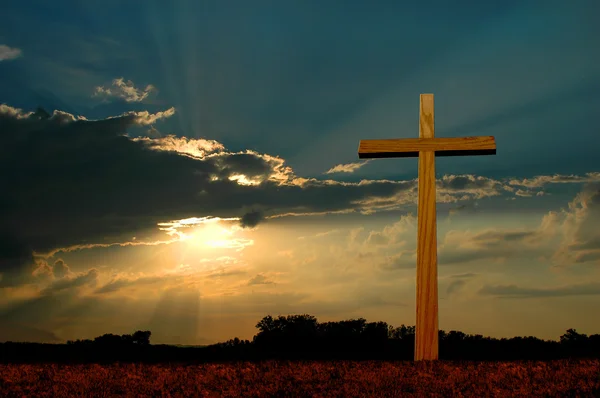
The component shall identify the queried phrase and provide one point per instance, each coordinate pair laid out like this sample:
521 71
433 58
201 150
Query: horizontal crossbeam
410 147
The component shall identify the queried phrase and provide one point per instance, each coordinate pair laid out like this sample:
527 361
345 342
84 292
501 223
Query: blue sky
251 113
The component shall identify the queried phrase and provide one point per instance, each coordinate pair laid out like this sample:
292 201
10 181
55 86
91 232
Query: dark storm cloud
71 181
248 164
15 254
60 269
251 219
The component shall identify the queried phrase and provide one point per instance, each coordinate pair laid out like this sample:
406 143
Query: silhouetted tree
141 337
401 332
572 337
302 336
108 339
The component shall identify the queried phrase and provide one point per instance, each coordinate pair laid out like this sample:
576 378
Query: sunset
190 167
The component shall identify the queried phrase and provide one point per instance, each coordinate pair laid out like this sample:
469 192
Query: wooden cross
426 147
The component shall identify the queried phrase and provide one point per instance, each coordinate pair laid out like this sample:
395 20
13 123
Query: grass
560 378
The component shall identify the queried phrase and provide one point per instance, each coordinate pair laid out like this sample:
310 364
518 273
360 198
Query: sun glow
243 180
209 235
206 232
215 237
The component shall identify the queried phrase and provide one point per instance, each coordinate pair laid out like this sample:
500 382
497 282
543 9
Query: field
568 378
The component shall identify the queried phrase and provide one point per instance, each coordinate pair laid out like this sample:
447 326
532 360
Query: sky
189 167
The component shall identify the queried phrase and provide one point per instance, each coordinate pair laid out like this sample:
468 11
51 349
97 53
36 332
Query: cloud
461 246
8 53
466 275
466 246
15 113
514 291
346 168
540 181
251 219
578 224
72 183
390 234
493 238
570 236
196 148
471 186
47 272
60 269
458 281
456 210
405 259
467 208
124 90
122 283
455 286
259 280
229 272
145 118
88 278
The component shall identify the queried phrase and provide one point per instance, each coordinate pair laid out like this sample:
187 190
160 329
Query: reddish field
575 378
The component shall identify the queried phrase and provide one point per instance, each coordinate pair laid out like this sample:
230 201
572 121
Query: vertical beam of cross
426 333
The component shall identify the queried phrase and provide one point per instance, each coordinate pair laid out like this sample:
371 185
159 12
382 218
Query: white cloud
463 246
391 234
124 90
197 148
346 168
8 53
15 113
540 181
579 227
146 118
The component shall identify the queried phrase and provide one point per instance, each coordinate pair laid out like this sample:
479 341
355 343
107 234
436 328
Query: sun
204 233
210 235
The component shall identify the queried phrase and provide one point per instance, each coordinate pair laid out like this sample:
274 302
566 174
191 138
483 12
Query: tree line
303 337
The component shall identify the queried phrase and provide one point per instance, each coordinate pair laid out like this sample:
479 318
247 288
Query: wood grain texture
426 338
426 119
410 147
